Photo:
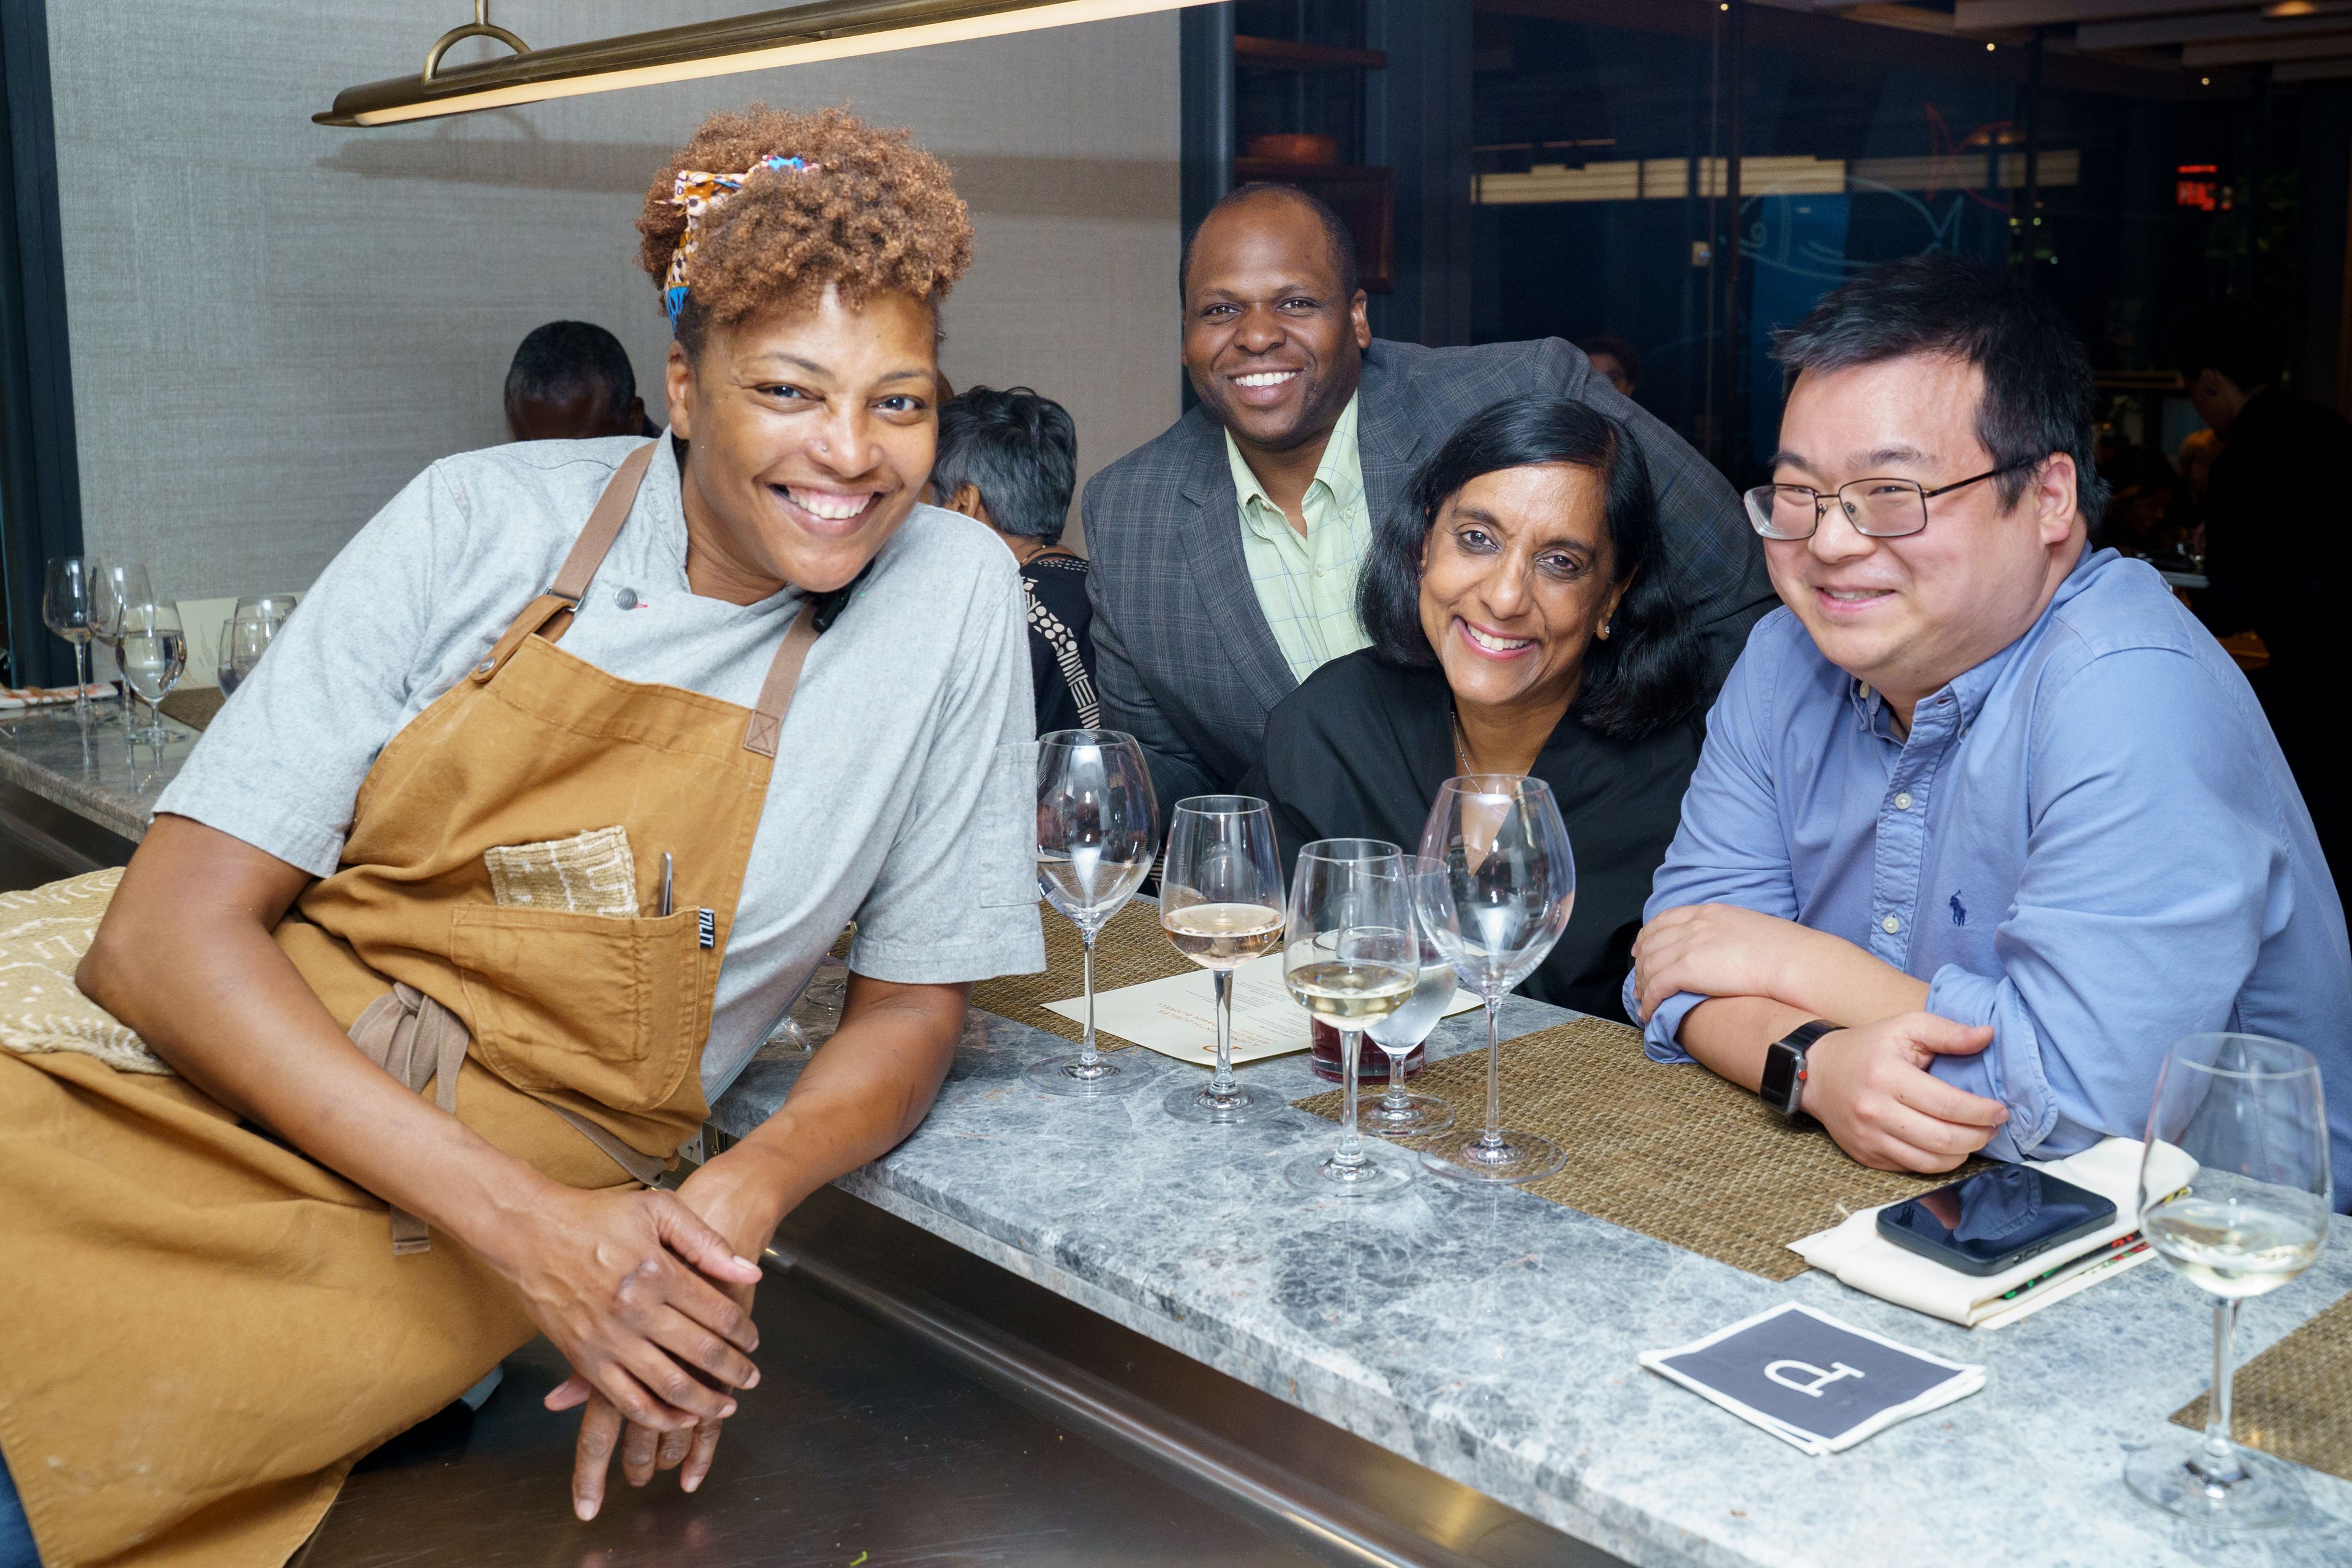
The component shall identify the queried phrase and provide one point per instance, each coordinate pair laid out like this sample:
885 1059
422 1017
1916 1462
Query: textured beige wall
275 325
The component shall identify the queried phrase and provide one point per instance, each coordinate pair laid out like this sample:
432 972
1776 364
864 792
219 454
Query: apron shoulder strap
766 725
595 541
550 613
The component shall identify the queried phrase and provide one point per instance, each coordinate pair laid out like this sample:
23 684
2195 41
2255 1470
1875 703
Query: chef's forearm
867 1087
185 958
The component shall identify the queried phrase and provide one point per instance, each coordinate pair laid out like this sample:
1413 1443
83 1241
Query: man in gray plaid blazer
1186 659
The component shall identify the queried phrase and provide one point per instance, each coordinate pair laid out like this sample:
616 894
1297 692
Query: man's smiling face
1274 349
1907 615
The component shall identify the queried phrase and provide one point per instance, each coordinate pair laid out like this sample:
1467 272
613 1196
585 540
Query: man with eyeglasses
1984 819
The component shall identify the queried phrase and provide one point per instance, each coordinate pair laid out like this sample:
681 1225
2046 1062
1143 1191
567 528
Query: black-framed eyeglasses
1878 509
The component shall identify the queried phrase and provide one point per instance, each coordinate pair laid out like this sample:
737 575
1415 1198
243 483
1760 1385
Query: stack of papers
1812 1380
1176 1016
1858 1255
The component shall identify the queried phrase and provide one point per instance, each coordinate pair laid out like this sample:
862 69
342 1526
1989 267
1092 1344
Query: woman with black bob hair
1521 622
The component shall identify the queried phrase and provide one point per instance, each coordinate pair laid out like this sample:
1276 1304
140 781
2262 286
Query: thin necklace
1461 741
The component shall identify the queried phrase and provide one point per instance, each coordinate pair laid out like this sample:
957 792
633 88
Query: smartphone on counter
1995 1219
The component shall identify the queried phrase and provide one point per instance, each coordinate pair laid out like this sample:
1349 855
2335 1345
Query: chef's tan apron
201 1330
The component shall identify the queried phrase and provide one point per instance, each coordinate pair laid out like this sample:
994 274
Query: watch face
1782 1061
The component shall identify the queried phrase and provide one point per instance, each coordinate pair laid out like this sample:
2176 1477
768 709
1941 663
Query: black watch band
1783 1088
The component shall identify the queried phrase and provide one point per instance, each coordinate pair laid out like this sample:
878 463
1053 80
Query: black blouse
1359 750
1061 642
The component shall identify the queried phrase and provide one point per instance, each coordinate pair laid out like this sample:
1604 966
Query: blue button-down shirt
2089 841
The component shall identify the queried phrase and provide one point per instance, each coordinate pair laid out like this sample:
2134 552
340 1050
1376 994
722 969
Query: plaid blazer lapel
1392 425
1210 514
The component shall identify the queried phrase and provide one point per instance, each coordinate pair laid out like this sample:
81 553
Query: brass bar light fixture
822 30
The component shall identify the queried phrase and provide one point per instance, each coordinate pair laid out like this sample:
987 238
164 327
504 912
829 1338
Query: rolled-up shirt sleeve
1730 847
2110 953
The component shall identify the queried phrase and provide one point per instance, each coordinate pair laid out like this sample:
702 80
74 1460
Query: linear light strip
608 67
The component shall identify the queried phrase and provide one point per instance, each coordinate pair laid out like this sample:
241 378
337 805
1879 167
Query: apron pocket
598 1004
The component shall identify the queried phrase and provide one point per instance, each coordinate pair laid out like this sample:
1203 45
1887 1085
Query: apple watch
1784 1069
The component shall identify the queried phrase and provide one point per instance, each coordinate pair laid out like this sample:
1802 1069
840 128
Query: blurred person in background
2147 515
571 381
2275 517
1614 361
1010 460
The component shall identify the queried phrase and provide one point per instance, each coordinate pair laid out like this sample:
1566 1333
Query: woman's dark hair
1019 450
1645 674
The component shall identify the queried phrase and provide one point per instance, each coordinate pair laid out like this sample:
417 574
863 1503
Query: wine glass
2249 1110
1349 957
121 584
69 600
1221 905
1401 1113
154 656
1096 827
1495 907
246 633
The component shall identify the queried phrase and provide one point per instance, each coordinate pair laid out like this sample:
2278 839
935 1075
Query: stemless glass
2249 1110
1349 958
154 657
1096 827
1401 1112
1496 905
121 585
69 601
1221 905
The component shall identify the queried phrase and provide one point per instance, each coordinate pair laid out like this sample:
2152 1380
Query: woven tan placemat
1131 950
195 707
1675 1153
2294 1399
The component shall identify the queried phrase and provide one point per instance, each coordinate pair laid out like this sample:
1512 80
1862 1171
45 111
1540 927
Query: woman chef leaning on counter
550 690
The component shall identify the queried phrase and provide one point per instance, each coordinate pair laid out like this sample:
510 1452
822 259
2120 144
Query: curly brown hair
872 212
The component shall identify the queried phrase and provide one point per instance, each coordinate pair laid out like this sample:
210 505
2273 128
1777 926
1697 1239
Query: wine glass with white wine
1351 957
2249 1111
1221 905
1097 828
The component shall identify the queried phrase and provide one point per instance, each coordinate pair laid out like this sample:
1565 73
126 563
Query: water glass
2249 1111
69 605
121 585
154 657
1495 904
1096 828
1349 958
1402 1113
1221 905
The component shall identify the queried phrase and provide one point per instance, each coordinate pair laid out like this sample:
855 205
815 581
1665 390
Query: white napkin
1858 1255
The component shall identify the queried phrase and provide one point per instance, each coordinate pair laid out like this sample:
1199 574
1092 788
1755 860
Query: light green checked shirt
1307 586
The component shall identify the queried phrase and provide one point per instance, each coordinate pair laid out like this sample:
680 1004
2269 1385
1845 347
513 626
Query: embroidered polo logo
1960 911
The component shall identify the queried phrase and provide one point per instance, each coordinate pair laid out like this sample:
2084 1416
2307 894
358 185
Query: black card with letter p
1816 1382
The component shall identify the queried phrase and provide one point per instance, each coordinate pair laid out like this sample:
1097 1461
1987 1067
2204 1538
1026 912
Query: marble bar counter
91 769
1490 1335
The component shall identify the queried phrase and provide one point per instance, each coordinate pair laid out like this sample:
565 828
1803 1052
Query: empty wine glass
1495 907
246 633
1348 958
1221 905
121 584
69 601
1097 828
154 656
2249 1110
1401 1113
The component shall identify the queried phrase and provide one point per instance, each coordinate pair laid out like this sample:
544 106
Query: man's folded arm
1730 847
2146 891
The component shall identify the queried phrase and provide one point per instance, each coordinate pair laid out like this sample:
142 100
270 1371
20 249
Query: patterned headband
701 193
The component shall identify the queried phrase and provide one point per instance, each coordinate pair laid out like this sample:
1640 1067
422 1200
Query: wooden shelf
1281 54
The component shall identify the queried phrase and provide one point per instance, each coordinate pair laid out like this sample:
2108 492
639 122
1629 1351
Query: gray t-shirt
903 782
